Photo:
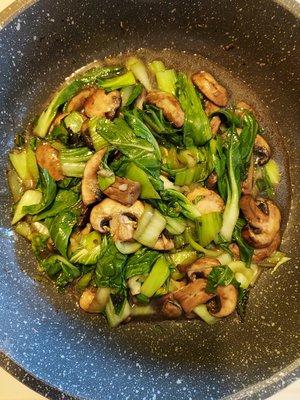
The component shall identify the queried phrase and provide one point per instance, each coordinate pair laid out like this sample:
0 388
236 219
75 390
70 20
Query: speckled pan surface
43 331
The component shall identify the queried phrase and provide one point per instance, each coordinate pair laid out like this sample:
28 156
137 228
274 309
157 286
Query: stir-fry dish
149 192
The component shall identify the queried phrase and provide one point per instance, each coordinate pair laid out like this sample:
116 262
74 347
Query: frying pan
46 341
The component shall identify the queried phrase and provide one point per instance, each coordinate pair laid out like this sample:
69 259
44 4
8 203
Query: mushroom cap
193 294
261 151
263 218
260 254
169 104
206 200
228 297
201 267
47 157
171 308
89 187
103 212
208 85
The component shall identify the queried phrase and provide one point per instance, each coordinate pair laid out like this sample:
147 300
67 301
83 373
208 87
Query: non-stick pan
47 341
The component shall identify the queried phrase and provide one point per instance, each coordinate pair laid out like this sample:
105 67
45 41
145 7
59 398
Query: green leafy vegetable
118 82
233 165
196 126
246 251
141 130
243 298
48 187
64 199
88 251
221 275
141 262
66 93
175 203
61 229
73 161
60 269
137 149
110 267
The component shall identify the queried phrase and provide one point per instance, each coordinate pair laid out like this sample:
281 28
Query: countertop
11 389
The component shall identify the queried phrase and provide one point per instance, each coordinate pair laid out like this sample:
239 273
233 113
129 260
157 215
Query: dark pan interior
43 331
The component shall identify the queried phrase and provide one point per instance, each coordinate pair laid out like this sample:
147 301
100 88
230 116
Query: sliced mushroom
164 243
241 107
77 102
235 250
247 184
47 157
201 268
261 151
57 120
169 104
124 191
210 107
212 180
100 104
207 84
94 300
263 218
89 188
206 200
260 254
215 123
171 308
193 294
141 99
114 216
227 295
122 227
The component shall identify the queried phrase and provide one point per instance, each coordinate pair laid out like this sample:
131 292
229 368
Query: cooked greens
149 192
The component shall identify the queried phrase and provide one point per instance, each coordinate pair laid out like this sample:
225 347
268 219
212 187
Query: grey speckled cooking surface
44 331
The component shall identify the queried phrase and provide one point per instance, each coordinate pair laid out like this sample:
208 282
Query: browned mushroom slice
110 215
201 268
124 190
89 188
207 84
164 243
241 108
206 200
210 107
193 294
263 218
100 104
212 180
215 123
260 254
169 104
235 250
226 299
47 157
171 308
77 102
261 151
